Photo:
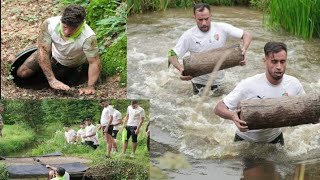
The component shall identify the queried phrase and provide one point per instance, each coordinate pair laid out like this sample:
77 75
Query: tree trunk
280 112
198 64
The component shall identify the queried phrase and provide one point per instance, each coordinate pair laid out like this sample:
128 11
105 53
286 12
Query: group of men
272 83
110 124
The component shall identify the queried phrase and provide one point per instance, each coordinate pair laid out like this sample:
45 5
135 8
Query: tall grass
15 138
299 17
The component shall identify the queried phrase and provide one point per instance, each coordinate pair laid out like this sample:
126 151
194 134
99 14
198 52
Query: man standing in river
205 36
65 44
271 84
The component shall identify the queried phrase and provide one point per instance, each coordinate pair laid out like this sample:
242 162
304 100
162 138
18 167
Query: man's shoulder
253 79
288 79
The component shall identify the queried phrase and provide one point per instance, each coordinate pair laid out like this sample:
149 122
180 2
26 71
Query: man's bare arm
44 47
174 61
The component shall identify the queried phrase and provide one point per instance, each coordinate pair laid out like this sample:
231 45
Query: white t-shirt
66 176
116 119
89 131
259 87
195 41
105 115
81 133
68 53
70 135
135 115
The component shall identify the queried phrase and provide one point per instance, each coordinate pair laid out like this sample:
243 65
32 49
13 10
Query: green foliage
301 18
114 60
15 138
261 5
140 6
3 172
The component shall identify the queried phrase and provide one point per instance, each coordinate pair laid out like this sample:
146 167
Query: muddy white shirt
105 115
70 135
195 41
135 115
259 87
69 53
116 119
89 131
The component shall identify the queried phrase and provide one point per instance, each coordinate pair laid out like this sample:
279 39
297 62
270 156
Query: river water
202 137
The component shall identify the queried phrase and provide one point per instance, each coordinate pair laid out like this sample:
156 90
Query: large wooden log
280 112
198 64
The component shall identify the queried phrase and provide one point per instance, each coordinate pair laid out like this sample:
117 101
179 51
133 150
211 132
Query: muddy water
205 139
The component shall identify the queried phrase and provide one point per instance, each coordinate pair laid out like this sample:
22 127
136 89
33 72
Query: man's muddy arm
94 70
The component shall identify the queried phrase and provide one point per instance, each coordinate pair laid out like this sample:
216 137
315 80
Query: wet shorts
114 134
197 87
109 129
130 132
278 139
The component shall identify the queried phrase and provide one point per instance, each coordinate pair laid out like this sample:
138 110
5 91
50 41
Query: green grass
126 166
301 18
15 138
3 172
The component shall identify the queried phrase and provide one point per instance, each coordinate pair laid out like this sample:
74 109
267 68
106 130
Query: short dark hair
73 15
61 171
134 102
200 7
274 47
87 119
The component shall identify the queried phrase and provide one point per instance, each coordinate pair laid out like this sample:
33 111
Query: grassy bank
15 138
122 167
301 18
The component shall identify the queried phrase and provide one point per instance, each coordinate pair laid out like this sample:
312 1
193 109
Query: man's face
81 126
276 66
88 123
68 30
203 20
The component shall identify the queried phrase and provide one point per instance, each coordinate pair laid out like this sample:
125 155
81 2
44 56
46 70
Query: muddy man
65 44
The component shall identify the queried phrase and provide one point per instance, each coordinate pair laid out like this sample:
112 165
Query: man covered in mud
65 44
206 36
271 84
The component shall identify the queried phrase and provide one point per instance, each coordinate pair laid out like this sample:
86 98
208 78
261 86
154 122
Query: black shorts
197 87
278 139
114 134
110 129
130 132
91 144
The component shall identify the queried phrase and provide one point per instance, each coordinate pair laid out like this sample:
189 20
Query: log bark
198 64
280 112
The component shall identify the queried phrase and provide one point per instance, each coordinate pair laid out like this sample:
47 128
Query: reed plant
298 17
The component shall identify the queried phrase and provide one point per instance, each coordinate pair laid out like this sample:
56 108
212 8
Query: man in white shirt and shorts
271 84
133 121
106 124
65 44
116 122
205 36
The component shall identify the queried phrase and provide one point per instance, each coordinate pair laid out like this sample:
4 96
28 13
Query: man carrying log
205 36
65 44
271 84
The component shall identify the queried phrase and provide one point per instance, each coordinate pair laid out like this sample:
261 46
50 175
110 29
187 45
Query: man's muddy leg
30 66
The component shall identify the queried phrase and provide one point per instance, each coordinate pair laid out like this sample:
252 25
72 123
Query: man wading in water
205 36
65 44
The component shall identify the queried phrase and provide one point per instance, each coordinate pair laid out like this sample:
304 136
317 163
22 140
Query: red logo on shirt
216 37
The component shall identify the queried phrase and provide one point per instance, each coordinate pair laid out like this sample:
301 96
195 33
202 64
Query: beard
204 28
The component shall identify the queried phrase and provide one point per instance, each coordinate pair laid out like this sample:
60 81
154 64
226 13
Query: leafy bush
3 172
15 138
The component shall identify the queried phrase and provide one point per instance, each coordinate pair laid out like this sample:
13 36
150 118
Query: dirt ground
20 20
